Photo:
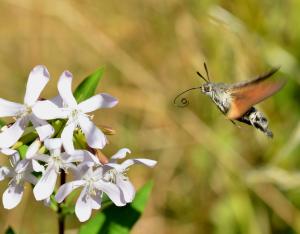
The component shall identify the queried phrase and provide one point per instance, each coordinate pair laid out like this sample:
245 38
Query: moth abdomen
256 119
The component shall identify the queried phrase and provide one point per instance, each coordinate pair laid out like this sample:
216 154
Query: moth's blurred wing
245 95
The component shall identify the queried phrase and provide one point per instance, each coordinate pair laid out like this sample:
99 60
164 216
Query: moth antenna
206 70
184 101
199 74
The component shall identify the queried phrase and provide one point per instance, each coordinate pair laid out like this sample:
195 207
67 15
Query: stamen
92 190
111 176
27 110
17 179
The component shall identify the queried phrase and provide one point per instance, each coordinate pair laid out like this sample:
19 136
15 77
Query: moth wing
245 95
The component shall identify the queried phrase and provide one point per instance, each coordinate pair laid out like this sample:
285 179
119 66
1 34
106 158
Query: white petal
68 159
12 134
98 172
66 189
8 108
33 149
112 191
67 138
4 171
22 166
83 169
69 166
143 161
76 156
96 201
47 202
12 196
30 178
84 155
65 89
14 155
37 167
38 78
42 127
53 143
45 187
15 158
121 154
96 102
57 100
83 208
127 189
42 157
95 138
8 151
48 110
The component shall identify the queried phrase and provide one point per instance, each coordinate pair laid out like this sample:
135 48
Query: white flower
55 162
31 153
75 113
22 113
20 172
109 179
91 194
116 173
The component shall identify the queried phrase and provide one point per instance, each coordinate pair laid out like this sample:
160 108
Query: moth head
206 88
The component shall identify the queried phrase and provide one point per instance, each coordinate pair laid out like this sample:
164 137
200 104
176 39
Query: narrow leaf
118 220
87 87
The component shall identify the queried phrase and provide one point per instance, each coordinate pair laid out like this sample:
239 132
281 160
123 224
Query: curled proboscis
183 102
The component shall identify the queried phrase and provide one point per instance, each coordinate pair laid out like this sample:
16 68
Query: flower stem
61 216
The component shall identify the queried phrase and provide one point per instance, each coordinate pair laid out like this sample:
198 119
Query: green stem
61 216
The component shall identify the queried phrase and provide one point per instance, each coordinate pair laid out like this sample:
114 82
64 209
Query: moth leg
234 123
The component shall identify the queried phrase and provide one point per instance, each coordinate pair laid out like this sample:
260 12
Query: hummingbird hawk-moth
236 101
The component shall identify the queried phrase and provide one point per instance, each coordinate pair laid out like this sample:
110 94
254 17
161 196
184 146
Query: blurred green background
212 177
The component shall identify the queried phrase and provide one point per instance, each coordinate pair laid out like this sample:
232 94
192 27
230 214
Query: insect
237 101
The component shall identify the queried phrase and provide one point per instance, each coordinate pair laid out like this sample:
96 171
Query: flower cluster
53 151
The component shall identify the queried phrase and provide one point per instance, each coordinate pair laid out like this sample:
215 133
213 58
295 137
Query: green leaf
58 126
28 138
22 150
2 123
118 220
87 87
9 230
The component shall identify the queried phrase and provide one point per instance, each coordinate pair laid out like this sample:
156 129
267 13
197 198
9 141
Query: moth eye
207 88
